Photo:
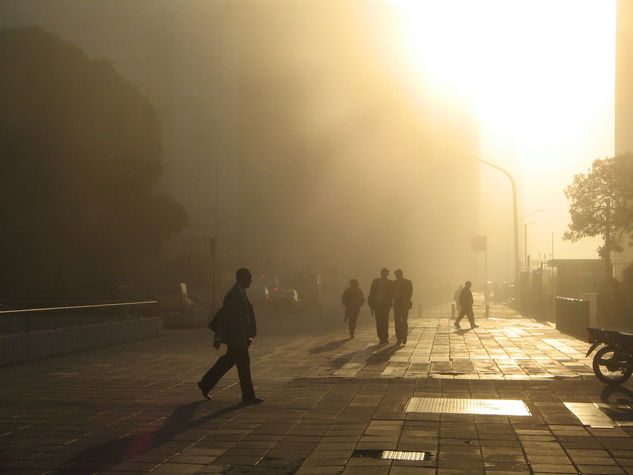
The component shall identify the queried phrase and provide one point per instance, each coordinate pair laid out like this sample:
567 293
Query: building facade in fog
184 57
624 102
329 155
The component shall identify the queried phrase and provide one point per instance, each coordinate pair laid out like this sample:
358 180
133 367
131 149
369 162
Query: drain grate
394 455
502 407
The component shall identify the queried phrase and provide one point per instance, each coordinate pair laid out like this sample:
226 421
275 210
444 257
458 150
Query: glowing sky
541 75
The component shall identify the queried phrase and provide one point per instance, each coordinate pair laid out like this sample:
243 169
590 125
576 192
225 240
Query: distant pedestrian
466 303
402 293
379 300
353 299
234 324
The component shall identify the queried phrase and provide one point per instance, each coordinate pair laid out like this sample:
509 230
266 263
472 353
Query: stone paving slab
135 407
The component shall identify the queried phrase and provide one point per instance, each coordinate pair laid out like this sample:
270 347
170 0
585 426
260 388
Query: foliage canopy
80 156
601 203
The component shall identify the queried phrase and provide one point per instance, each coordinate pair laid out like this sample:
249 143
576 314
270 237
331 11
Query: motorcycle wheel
601 362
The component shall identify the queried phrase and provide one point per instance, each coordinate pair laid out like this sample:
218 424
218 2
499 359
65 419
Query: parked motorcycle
613 363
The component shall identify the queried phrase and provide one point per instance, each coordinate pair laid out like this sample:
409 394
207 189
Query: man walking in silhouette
353 299
234 324
466 303
402 292
379 300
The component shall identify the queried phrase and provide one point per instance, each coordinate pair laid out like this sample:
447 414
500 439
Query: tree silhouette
602 204
80 154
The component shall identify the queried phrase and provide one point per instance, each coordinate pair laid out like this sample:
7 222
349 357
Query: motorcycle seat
617 336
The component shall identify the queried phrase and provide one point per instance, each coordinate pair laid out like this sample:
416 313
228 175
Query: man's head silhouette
468 284
384 272
243 277
398 274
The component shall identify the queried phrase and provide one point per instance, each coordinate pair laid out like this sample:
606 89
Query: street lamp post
213 239
525 236
517 264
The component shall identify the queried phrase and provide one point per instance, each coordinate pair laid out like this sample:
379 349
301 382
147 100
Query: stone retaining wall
41 344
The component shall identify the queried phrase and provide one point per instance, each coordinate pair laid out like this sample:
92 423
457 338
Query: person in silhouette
466 303
234 325
402 292
353 299
379 300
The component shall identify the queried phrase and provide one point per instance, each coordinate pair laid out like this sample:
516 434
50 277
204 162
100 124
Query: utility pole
214 244
515 214
213 252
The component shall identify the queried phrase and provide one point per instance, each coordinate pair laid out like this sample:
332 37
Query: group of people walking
384 295
234 324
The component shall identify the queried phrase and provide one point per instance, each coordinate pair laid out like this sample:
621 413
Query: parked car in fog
308 286
270 281
259 295
285 300
174 298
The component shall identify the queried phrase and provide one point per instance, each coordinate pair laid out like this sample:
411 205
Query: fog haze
329 153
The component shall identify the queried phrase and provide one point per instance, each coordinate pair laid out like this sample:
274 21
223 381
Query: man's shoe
475 326
253 400
203 390
398 342
456 325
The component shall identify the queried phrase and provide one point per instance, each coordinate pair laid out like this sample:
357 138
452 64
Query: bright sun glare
536 71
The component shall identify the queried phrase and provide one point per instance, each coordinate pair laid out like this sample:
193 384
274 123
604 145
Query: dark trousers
381 313
468 311
400 318
351 315
235 355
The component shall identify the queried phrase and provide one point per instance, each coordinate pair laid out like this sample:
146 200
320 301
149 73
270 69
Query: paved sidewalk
135 407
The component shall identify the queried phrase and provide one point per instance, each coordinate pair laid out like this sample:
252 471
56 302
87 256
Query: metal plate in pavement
394 455
437 405
601 416
621 414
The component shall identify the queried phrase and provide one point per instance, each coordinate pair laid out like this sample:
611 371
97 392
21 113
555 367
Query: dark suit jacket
402 292
466 298
353 298
236 323
381 293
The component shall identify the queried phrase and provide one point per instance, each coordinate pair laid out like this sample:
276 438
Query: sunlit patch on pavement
502 407
601 416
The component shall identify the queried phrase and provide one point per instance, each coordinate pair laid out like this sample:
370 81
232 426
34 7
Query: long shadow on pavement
384 355
622 395
103 456
619 400
328 346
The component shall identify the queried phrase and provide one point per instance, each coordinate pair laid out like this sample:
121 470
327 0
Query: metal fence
26 320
